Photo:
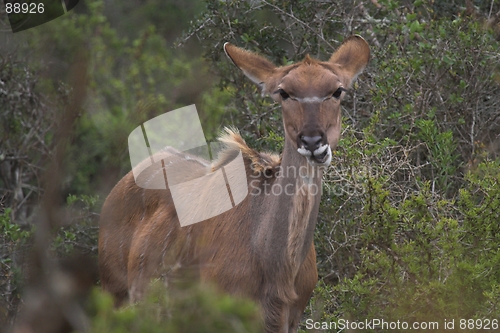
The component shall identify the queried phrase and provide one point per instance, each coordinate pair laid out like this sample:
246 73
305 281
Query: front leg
275 314
305 282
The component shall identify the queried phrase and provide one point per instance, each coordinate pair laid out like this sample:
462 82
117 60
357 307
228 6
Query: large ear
352 57
256 68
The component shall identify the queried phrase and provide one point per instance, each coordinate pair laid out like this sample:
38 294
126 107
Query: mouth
320 157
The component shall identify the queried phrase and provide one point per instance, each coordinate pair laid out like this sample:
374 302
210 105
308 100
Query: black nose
311 143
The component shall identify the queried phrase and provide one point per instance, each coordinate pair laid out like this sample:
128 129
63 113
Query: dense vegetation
409 224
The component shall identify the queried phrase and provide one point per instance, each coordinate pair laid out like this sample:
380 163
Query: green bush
14 243
80 233
397 249
196 309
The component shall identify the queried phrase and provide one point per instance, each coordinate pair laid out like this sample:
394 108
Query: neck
290 208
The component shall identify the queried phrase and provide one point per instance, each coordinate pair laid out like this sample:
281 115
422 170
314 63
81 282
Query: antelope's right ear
255 67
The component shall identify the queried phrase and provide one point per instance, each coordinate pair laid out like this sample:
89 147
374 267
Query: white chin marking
304 152
321 149
311 157
328 157
326 160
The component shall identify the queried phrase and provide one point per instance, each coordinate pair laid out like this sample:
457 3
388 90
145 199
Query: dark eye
283 94
338 92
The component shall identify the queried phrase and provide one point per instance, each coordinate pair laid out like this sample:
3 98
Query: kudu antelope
262 248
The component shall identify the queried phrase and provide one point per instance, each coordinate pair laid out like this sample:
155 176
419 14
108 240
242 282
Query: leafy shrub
196 309
80 234
26 125
14 242
398 249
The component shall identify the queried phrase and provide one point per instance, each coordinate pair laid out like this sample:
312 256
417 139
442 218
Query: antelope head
309 93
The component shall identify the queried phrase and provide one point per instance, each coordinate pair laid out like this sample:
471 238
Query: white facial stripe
316 99
313 99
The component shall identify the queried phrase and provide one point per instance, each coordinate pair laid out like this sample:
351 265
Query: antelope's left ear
256 68
351 57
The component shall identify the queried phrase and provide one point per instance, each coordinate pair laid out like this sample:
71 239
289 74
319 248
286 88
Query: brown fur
262 248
